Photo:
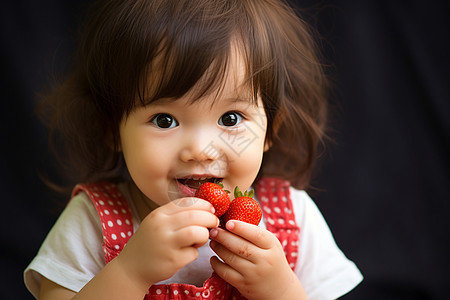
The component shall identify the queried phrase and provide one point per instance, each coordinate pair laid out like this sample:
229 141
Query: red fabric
116 219
115 215
275 199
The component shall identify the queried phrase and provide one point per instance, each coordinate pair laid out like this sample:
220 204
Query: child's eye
164 121
231 118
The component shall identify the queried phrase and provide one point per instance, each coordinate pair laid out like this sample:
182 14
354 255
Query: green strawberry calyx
238 193
219 183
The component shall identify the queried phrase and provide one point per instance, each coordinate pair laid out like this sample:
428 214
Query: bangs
194 56
165 49
191 49
172 75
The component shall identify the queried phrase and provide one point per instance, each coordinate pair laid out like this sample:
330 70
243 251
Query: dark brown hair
174 45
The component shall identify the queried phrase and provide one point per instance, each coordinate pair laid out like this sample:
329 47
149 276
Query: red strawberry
216 195
244 208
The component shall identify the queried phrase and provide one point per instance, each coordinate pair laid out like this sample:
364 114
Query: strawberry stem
238 193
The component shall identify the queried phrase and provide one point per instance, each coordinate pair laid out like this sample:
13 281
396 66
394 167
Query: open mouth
189 185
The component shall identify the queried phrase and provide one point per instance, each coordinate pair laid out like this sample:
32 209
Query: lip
188 185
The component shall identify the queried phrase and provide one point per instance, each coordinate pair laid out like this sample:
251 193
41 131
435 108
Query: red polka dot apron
116 219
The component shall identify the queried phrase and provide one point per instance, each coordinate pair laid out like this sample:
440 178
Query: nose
201 147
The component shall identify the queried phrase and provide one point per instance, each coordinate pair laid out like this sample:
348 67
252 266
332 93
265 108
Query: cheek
149 167
144 156
246 165
147 160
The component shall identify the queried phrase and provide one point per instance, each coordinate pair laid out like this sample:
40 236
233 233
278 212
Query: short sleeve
324 271
71 254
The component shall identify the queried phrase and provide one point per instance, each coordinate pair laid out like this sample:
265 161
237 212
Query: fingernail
213 233
213 210
230 225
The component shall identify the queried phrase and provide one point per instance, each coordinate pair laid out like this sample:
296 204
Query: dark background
384 184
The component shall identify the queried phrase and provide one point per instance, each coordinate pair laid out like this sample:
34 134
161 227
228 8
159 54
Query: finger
233 260
188 255
254 234
192 236
235 244
188 203
194 217
226 272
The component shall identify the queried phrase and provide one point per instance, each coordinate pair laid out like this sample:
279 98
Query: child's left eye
229 119
164 121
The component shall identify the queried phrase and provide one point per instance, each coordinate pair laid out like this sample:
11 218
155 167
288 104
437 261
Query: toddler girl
166 95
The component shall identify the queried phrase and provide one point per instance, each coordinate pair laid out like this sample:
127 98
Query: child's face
170 147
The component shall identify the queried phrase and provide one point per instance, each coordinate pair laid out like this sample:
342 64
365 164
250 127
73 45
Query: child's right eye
165 121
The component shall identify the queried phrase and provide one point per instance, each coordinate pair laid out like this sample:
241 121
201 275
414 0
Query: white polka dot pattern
114 215
214 288
279 215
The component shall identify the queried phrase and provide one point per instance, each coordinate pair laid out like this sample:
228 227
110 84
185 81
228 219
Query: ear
267 145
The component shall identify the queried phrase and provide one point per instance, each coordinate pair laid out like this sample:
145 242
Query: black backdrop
384 184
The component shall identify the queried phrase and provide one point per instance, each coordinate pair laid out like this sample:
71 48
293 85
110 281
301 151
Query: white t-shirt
71 254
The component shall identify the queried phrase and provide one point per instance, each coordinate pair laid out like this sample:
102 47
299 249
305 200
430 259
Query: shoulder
322 267
300 197
305 209
71 254
80 206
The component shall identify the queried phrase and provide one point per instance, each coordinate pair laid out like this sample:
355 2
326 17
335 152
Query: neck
143 204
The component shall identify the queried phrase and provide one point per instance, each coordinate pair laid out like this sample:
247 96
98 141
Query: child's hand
167 240
254 262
